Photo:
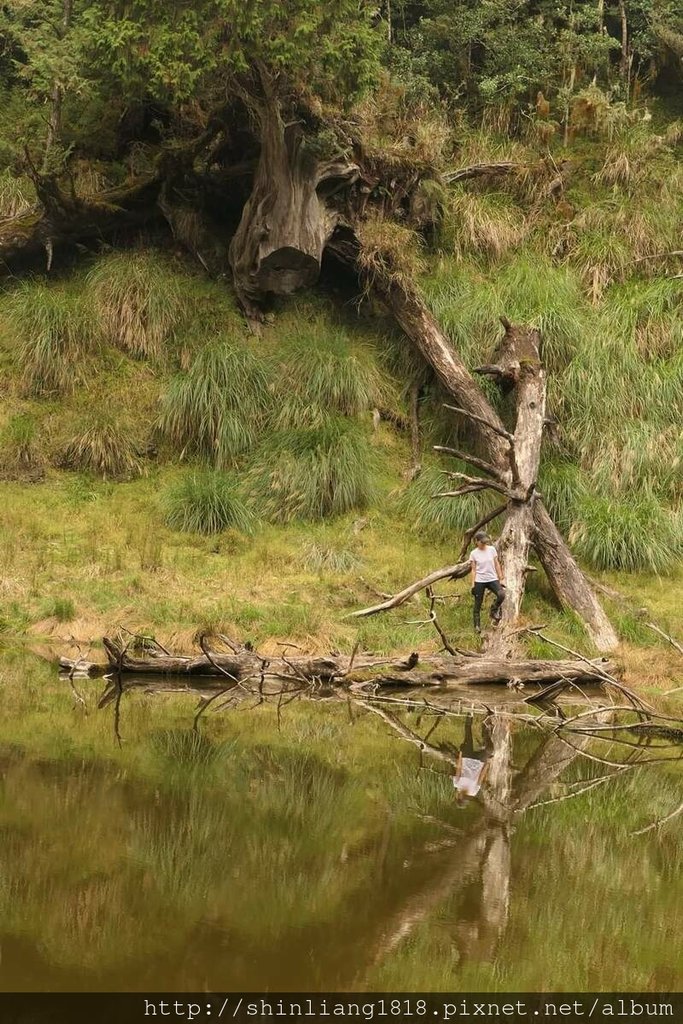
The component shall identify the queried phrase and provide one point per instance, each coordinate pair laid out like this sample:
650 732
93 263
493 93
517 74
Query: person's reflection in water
472 762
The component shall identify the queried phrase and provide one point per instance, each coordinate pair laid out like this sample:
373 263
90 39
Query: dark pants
468 749
479 591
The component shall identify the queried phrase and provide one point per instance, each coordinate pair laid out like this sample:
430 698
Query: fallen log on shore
242 665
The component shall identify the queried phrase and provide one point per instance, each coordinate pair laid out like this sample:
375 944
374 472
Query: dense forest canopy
187 59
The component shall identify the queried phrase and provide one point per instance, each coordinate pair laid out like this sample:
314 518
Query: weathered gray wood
289 218
414 670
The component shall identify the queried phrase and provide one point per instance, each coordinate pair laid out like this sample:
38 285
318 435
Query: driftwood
246 667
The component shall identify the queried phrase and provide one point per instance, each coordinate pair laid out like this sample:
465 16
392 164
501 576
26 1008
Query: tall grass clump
440 517
528 289
313 472
138 302
217 409
17 195
325 374
18 443
102 446
650 312
481 224
640 455
634 533
54 332
207 502
563 487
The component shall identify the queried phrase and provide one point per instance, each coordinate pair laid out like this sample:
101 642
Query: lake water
316 847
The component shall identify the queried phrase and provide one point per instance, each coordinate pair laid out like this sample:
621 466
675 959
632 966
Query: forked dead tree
511 457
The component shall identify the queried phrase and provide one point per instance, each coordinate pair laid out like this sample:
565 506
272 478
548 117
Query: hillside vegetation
166 468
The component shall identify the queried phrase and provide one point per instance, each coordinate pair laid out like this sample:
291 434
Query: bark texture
265 673
289 217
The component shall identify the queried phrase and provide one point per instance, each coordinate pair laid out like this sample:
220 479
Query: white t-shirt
470 773
485 564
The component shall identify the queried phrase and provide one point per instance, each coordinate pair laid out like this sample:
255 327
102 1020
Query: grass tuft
632 534
104 447
18 444
217 408
54 332
481 224
138 302
563 487
313 473
326 376
207 502
17 195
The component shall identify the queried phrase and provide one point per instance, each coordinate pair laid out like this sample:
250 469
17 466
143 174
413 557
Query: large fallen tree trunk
61 220
242 666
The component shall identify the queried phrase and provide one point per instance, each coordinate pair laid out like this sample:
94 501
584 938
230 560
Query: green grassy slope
164 468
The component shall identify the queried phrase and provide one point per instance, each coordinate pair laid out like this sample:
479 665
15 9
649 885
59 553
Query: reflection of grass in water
264 833
267 848
591 906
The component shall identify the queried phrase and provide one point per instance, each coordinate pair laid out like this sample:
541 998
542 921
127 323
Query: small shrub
633 534
313 473
103 447
217 408
207 502
53 332
138 302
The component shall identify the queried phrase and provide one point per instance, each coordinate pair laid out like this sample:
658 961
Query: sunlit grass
217 408
137 300
207 501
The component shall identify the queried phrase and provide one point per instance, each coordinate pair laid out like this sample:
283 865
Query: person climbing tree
487 574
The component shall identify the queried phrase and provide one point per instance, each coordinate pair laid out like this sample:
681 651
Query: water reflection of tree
475 866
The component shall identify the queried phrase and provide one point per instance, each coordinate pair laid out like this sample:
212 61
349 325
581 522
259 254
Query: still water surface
321 849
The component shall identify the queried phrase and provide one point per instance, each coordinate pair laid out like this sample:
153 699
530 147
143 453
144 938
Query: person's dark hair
481 535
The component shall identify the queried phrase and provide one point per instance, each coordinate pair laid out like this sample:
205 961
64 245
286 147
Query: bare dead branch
458 571
437 626
482 464
501 431
479 171
658 822
674 643
493 485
